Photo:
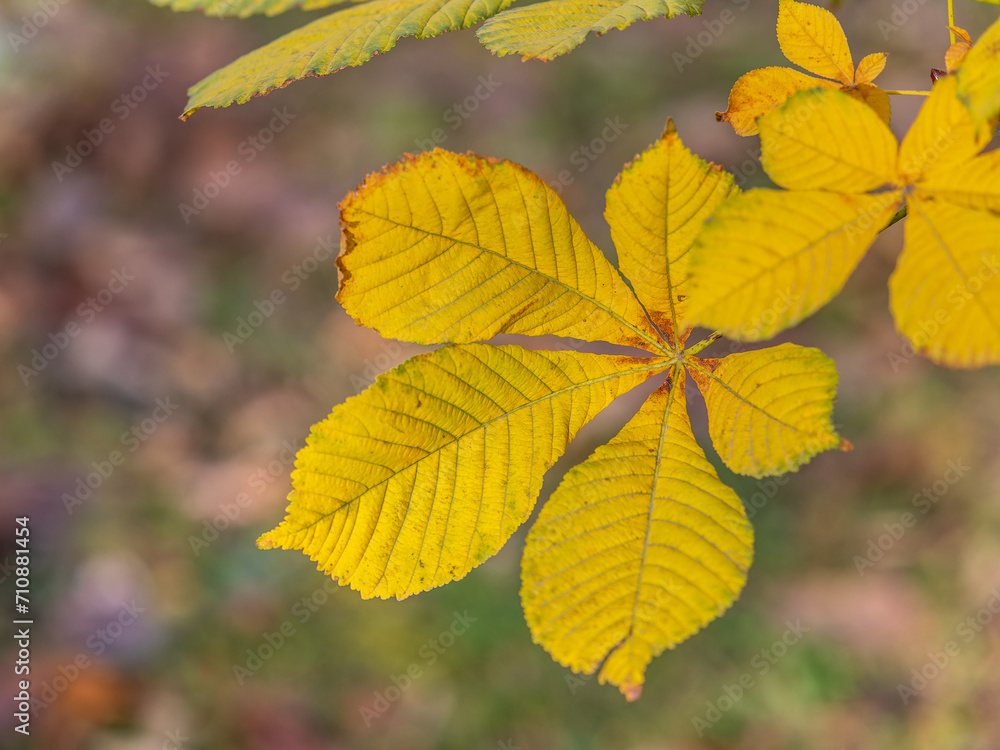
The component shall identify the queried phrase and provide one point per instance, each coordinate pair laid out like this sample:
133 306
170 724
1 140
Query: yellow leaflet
812 38
945 291
656 209
244 8
942 137
974 184
870 67
769 411
769 258
824 140
419 479
349 37
447 247
758 92
979 79
639 547
549 29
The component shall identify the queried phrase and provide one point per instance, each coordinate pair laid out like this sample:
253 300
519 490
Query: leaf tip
669 129
266 541
845 445
631 692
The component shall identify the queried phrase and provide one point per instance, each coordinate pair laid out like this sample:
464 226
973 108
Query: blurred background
148 437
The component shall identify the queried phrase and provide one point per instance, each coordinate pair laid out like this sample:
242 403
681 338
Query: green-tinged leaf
639 547
656 209
769 258
348 37
244 8
419 479
548 29
427 473
769 410
447 247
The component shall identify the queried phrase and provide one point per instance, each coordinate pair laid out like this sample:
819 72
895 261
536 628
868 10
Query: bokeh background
146 597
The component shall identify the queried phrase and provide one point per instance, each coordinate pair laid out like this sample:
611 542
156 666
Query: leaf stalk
704 343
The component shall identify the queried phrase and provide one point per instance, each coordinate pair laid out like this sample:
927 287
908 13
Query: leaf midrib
811 244
848 76
743 399
657 345
676 372
953 261
652 368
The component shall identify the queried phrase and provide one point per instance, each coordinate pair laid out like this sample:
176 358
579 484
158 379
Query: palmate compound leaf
419 479
548 29
639 547
244 8
423 476
812 38
346 38
776 272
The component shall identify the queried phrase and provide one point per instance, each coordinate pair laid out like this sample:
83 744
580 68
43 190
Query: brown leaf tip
631 692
